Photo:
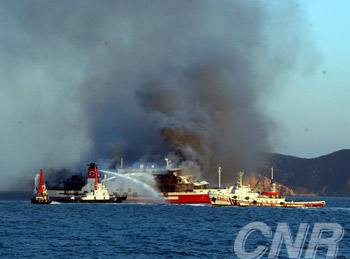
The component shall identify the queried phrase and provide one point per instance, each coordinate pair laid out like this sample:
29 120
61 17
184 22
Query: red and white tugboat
40 192
80 189
243 195
99 193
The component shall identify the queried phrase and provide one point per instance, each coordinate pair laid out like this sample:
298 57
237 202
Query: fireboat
40 193
243 195
79 190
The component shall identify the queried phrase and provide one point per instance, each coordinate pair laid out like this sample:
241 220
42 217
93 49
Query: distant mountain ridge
327 175
261 183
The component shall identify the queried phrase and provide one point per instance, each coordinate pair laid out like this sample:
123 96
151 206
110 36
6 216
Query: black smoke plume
91 80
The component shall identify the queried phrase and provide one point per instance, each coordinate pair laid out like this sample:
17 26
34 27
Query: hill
327 175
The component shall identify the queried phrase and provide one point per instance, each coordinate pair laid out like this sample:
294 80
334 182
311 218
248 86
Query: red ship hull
189 198
196 197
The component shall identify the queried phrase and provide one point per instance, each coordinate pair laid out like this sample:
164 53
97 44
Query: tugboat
100 192
40 192
78 189
243 195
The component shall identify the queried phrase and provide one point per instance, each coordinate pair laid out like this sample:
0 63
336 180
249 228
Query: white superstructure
100 193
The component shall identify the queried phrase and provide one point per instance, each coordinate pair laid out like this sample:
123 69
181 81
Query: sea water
151 231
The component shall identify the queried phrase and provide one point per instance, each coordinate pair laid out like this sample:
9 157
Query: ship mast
273 185
219 176
271 173
168 162
240 174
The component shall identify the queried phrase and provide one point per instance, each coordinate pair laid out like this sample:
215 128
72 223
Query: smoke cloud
99 80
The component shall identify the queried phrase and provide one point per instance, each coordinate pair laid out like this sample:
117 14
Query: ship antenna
219 176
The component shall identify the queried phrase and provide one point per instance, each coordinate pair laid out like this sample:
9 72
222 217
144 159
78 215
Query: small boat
243 195
100 194
40 192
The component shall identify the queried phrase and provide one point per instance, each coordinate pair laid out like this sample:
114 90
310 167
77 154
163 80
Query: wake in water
141 183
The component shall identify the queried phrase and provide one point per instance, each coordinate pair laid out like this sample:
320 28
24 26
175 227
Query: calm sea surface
150 231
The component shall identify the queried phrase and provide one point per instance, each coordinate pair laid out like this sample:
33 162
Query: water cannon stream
150 189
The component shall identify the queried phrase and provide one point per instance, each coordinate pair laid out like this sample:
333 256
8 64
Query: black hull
36 200
112 200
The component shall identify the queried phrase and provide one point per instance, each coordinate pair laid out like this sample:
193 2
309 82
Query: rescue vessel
40 193
243 195
84 190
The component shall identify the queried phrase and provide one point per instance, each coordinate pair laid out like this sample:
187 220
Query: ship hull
76 197
199 196
229 200
41 200
116 200
187 198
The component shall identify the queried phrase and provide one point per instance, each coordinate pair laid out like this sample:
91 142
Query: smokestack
96 177
92 172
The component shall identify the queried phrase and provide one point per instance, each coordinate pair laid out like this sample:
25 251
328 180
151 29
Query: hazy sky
313 110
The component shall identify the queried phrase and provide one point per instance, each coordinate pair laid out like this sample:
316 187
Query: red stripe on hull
271 193
230 201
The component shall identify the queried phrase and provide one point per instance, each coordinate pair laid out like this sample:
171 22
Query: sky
202 83
313 109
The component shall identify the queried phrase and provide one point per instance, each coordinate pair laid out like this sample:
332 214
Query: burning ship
243 195
85 190
40 192
182 189
170 185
